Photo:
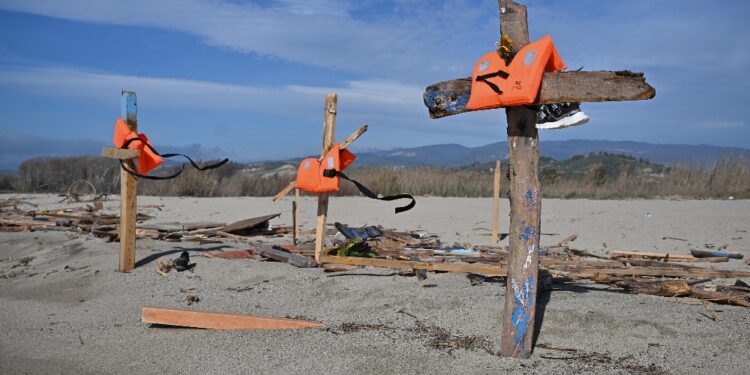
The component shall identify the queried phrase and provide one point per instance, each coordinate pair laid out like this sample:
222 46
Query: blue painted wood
129 109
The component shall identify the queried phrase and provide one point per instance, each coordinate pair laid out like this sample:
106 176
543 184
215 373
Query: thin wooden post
525 205
329 129
496 205
128 190
295 217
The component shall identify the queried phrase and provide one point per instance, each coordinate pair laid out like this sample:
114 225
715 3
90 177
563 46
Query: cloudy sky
247 78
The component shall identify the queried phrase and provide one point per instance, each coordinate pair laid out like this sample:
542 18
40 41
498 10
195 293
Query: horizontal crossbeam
450 97
119 153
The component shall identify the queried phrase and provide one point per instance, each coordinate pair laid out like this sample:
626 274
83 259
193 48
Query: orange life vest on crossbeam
495 84
311 172
124 137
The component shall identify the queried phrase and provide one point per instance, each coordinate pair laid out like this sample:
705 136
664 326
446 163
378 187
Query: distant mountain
453 155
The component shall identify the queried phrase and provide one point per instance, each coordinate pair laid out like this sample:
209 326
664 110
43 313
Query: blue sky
247 79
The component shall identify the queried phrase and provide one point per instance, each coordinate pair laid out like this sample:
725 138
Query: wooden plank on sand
215 320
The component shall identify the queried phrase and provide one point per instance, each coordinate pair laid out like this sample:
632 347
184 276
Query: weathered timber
525 206
450 97
214 320
255 223
479 268
666 288
640 254
344 144
286 257
731 297
118 153
128 190
329 131
496 204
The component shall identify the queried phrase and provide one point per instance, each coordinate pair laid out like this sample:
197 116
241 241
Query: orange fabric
310 176
148 160
524 76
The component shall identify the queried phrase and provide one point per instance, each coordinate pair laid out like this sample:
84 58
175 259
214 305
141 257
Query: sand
68 311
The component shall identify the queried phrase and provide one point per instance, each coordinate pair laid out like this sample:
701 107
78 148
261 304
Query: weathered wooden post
128 184
496 204
450 98
329 129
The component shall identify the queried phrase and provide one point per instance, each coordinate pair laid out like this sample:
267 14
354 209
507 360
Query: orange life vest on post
310 174
149 158
323 176
124 137
495 84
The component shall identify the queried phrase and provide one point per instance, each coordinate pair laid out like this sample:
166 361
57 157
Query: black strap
166 156
368 193
500 73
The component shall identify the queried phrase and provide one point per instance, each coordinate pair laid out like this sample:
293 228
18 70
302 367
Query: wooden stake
496 205
525 206
128 190
329 129
295 217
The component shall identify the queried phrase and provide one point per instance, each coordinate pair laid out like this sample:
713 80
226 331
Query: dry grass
728 177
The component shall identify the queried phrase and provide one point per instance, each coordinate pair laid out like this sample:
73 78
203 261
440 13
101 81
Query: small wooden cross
450 98
128 184
329 132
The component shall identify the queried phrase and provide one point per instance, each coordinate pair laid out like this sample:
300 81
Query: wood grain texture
128 190
525 207
117 153
479 268
496 205
214 320
329 131
450 97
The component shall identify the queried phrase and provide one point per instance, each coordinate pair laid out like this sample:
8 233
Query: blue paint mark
435 100
520 315
529 201
128 107
528 232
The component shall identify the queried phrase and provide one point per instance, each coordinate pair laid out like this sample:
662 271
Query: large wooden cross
450 98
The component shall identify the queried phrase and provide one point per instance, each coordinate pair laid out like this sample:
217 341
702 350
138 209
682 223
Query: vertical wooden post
295 217
329 129
496 205
525 205
128 190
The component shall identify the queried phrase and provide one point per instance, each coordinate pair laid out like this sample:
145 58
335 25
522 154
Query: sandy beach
65 309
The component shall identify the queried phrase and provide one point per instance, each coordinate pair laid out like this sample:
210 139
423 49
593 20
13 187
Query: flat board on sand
214 320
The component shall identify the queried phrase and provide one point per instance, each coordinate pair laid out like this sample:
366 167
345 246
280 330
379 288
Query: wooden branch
118 153
214 320
349 140
479 268
450 97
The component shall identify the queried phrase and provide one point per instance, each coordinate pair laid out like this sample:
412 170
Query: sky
246 79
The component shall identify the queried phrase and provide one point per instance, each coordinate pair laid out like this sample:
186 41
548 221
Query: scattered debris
192 298
278 254
182 263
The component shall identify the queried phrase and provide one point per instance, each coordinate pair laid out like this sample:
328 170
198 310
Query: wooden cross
329 131
450 98
128 184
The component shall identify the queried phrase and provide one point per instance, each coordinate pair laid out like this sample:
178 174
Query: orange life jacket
311 172
124 137
495 84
